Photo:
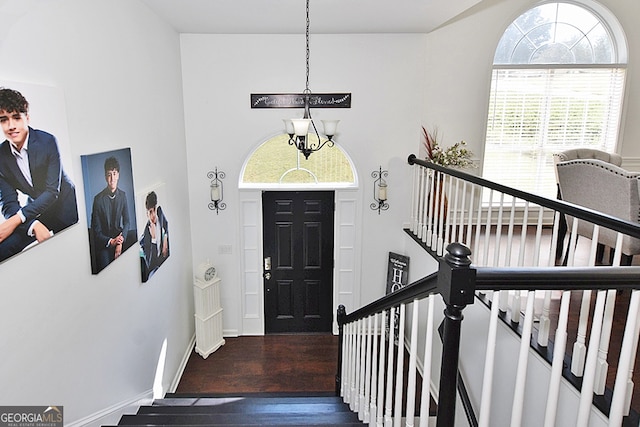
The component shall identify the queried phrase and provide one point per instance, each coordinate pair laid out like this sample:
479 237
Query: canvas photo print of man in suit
37 198
154 243
109 186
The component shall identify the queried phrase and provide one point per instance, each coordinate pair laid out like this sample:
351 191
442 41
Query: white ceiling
288 16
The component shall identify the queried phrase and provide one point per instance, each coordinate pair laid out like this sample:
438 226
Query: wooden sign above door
296 100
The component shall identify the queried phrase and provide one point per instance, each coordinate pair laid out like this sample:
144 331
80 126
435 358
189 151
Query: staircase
244 410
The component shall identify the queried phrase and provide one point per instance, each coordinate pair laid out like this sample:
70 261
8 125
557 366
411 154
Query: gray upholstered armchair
606 188
576 154
588 153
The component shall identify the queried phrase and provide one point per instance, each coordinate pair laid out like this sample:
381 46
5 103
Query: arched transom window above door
276 163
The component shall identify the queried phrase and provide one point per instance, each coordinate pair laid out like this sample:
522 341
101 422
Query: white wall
70 338
381 129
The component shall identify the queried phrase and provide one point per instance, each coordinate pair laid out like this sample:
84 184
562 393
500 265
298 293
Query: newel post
456 283
340 317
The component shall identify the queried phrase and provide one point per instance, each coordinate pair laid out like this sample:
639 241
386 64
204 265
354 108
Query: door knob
267 276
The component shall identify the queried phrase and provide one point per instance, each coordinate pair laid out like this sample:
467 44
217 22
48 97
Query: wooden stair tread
252 408
348 424
288 418
238 399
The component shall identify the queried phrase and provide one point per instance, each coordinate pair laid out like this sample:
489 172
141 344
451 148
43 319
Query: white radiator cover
208 316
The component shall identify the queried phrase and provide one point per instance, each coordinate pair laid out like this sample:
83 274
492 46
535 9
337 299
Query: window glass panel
277 162
555 33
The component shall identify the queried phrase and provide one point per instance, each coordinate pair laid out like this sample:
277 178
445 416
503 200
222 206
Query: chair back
586 153
603 187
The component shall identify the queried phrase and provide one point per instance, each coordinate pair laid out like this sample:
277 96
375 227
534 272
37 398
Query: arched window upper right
557 83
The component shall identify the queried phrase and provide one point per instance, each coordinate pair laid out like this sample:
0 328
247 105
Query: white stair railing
503 228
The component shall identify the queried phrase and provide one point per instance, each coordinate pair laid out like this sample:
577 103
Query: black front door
298 264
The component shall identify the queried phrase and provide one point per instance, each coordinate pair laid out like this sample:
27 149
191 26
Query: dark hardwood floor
270 363
307 363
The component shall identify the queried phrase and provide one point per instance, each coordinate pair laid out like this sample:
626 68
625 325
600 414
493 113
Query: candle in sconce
215 192
382 191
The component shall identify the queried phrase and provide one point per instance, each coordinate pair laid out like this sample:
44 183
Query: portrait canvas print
154 230
37 192
110 205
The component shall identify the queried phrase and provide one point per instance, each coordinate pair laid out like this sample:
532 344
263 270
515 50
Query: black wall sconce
380 190
216 193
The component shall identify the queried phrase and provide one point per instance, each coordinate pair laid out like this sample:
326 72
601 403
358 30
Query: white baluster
356 368
635 338
388 420
364 405
353 363
523 362
623 387
422 194
470 224
374 371
397 412
538 244
516 303
586 393
489 363
496 250
544 324
487 230
544 327
426 188
447 214
425 396
346 360
430 220
579 353
436 238
508 251
579 346
558 361
462 209
413 352
602 366
478 226
381 366
523 234
454 221
415 199
360 375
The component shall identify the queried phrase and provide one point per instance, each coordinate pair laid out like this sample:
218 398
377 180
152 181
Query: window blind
535 112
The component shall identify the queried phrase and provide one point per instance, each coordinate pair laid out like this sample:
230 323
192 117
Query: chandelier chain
307 57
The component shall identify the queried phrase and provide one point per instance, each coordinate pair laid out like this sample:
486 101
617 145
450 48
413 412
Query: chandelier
301 130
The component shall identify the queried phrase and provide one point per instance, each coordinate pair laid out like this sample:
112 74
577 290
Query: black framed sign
397 272
296 100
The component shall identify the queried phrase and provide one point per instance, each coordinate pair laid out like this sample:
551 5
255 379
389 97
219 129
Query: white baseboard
183 364
112 414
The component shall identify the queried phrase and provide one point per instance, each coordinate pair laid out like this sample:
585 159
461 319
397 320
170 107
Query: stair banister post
456 284
340 318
